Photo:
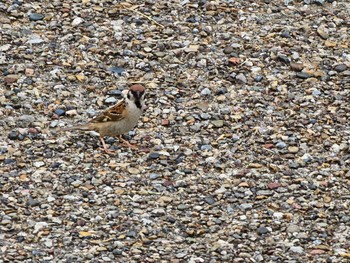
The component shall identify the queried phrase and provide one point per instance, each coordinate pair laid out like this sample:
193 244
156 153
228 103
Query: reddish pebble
273 185
268 146
165 122
316 252
32 130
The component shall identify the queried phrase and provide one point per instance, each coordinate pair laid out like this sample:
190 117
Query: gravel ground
243 152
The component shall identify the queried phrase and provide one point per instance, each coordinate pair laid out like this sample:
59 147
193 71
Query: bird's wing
112 114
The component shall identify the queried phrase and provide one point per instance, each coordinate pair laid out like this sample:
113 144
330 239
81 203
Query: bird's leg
105 148
125 142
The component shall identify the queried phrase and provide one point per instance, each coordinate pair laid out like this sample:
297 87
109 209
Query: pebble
206 92
154 176
316 93
60 112
241 78
340 67
117 70
303 75
262 230
281 145
293 149
38 164
205 116
9 161
284 59
110 100
258 78
32 202
77 21
36 17
322 33
206 147
296 66
293 228
13 135
209 200
154 155
11 78
297 249
133 170
246 206
218 123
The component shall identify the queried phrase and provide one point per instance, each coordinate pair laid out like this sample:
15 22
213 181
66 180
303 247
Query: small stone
246 206
60 112
117 70
273 185
335 148
228 50
285 34
205 116
329 43
32 202
206 147
293 228
303 75
36 17
133 170
154 155
110 100
306 158
278 215
154 176
131 234
77 21
235 138
316 93
115 92
180 255
11 78
322 33
296 66
218 123
296 249
284 59
209 200
340 67
29 72
38 226
38 164
71 112
206 92
165 122
9 161
316 252
319 2
13 135
258 78
241 78
281 145
293 149
319 73
262 230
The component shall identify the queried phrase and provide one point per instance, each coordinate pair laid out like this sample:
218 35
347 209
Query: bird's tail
82 127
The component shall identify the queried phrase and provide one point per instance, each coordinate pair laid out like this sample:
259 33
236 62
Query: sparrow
118 119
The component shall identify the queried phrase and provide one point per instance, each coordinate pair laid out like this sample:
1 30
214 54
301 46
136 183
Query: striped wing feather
115 113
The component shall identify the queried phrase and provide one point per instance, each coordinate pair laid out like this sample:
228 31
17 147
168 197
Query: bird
118 119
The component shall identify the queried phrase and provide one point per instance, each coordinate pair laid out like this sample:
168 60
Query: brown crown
137 87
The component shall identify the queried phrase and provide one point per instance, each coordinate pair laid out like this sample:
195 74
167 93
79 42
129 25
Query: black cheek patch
128 95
